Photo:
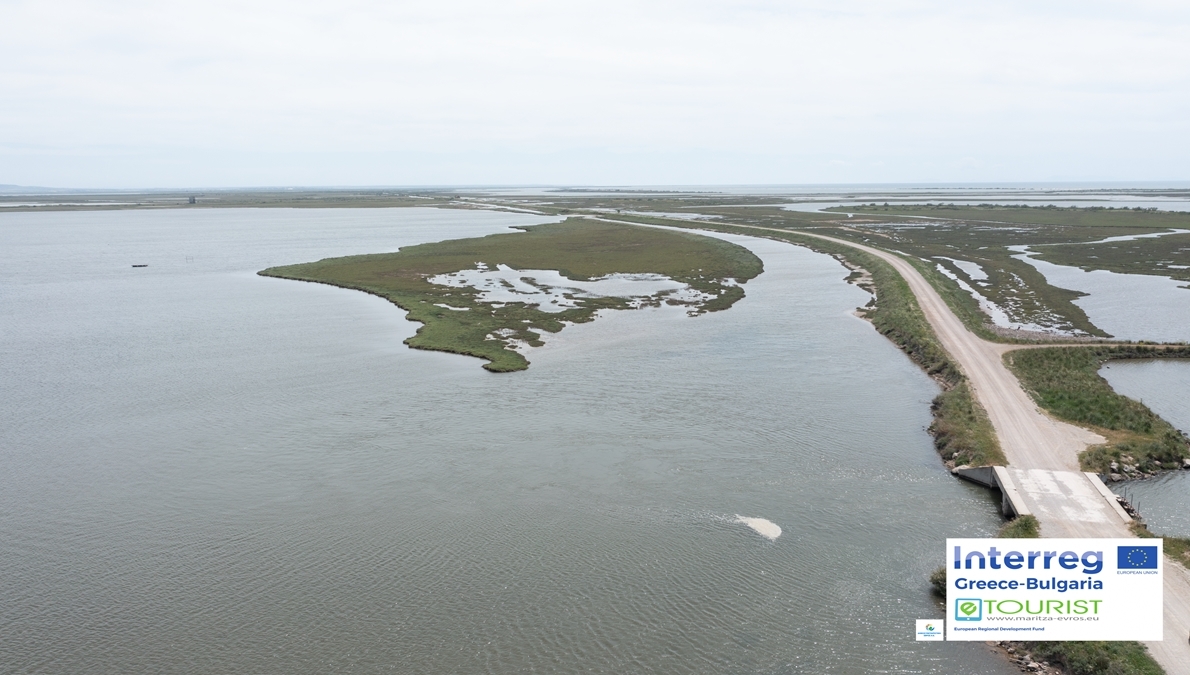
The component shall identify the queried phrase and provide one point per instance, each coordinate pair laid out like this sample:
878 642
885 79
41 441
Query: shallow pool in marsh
1126 306
207 471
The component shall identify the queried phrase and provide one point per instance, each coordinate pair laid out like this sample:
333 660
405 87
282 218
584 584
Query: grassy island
458 318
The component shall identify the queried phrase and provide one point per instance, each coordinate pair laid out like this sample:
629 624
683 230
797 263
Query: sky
109 94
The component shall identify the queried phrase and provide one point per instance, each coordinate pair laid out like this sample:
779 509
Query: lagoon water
207 471
1164 386
1126 306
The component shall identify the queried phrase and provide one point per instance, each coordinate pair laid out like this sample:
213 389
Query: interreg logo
968 609
993 558
1136 557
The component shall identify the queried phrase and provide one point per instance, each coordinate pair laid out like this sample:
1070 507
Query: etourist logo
1054 589
968 609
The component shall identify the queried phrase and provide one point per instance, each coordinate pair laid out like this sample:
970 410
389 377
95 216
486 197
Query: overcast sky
214 93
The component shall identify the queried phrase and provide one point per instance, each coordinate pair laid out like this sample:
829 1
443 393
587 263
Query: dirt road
1043 449
1029 437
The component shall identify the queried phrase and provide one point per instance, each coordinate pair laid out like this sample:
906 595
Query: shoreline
1170 653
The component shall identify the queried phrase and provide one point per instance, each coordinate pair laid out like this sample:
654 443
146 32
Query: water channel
207 471
1164 386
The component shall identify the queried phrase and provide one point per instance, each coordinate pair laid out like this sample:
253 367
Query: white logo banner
1054 589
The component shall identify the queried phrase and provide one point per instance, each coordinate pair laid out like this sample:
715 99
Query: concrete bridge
1043 476
1071 503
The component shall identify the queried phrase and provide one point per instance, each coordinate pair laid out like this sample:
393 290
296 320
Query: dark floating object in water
140 265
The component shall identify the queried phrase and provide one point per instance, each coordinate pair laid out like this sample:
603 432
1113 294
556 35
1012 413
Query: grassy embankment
579 249
1065 381
1064 391
1023 527
962 431
1096 658
1012 284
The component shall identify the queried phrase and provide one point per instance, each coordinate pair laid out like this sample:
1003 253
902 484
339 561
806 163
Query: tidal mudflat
208 471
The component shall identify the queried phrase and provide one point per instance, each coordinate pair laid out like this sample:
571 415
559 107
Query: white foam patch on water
763 527
552 292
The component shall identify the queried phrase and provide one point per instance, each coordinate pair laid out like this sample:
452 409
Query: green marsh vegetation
1167 256
1096 658
937 241
955 237
961 430
1019 289
1059 216
1021 527
942 234
928 235
1065 381
457 320
938 582
1011 283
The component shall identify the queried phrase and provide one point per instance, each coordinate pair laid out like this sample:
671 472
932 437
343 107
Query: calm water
1164 386
206 471
1126 306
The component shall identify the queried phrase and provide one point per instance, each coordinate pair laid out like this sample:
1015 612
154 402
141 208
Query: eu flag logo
1136 557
